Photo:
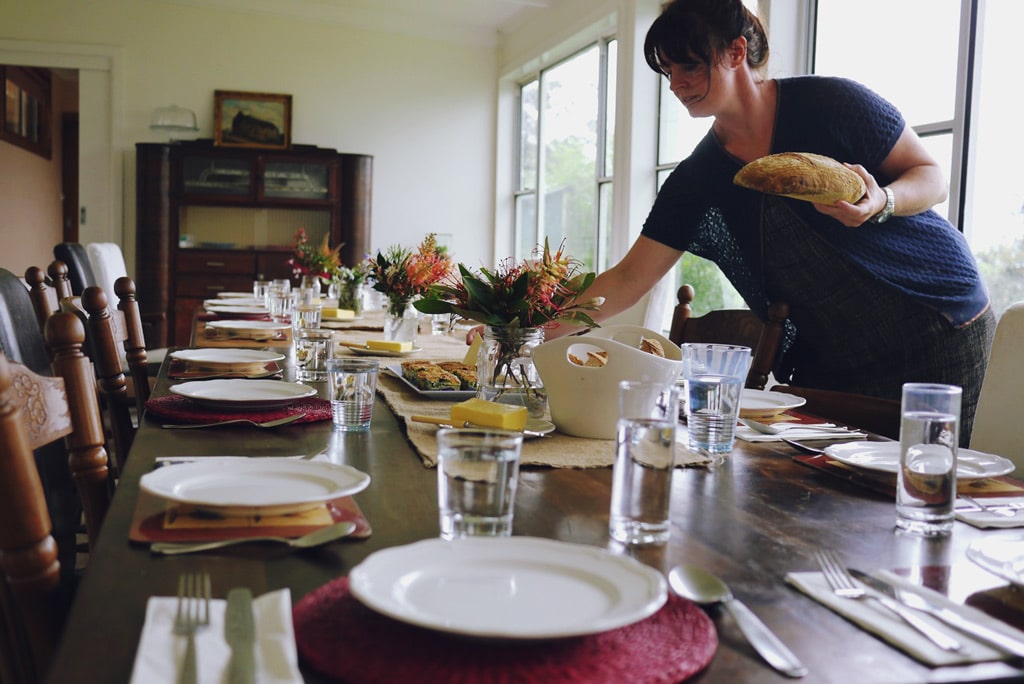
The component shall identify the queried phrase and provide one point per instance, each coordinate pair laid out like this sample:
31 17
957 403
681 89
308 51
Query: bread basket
583 400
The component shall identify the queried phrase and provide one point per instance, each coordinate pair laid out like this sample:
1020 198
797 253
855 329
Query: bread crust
803 176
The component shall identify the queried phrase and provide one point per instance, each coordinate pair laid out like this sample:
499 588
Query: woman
882 291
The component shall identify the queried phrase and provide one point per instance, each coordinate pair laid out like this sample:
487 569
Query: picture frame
244 119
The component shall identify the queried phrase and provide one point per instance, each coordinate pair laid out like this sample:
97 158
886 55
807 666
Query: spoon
264 424
306 541
702 587
766 429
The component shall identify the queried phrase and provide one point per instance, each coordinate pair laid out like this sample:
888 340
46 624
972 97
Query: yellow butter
388 345
330 312
489 414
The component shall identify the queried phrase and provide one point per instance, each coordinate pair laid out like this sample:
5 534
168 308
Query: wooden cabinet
213 219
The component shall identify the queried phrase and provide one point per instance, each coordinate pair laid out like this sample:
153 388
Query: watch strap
888 210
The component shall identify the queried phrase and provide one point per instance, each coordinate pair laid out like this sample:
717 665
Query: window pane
568 130
528 136
526 225
604 228
996 200
906 51
678 132
609 106
940 146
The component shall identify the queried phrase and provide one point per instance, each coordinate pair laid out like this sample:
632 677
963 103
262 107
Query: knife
240 633
887 597
990 636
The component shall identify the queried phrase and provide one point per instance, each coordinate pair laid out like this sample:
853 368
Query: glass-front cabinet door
296 180
217 176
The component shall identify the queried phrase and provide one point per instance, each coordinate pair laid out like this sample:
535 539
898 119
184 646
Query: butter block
341 314
389 345
489 414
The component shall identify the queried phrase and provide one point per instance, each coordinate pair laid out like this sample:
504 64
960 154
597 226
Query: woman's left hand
855 214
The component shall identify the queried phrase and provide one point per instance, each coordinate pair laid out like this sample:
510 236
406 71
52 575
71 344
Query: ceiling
466 21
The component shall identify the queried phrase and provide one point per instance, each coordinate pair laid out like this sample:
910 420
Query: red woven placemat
178 409
341 638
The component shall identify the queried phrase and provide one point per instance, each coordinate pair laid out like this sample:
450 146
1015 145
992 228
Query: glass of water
352 384
644 459
926 479
714 375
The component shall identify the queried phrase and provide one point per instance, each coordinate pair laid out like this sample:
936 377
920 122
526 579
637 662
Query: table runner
343 639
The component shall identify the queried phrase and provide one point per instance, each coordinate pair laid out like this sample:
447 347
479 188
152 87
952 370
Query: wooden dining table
750 521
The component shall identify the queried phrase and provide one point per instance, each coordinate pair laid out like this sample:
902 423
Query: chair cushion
107 263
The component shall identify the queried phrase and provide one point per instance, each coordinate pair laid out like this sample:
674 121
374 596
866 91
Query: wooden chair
881 416
995 421
733 326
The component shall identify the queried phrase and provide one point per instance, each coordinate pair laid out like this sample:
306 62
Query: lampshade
173 118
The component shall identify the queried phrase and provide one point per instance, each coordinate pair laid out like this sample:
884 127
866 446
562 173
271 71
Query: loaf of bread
802 176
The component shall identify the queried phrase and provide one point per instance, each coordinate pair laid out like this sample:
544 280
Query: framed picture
252 120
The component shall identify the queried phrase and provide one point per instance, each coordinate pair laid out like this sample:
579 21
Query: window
564 164
26 118
967 119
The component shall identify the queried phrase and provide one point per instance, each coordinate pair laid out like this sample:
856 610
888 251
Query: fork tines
193 601
835 574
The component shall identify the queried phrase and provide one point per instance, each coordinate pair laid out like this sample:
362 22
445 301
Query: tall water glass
644 460
926 479
714 375
477 475
279 303
352 384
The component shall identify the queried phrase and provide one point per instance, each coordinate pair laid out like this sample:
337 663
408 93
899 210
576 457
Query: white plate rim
335 480
851 453
979 553
776 403
235 295
641 589
249 325
243 392
241 310
362 350
222 356
396 370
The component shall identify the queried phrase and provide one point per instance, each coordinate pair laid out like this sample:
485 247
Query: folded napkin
871 616
973 515
160 650
798 433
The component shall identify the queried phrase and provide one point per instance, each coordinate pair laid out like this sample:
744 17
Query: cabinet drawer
209 286
214 262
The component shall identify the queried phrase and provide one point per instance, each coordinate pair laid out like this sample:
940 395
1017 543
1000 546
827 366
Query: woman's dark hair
701 30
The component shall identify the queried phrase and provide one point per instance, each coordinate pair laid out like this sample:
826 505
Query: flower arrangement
347 280
528 294
322 261
402 274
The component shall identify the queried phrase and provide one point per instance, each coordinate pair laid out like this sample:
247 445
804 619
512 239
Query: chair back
80 271
995 420
733 326
107 261
881 416
21 336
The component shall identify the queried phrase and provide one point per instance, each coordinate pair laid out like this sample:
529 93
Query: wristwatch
890 207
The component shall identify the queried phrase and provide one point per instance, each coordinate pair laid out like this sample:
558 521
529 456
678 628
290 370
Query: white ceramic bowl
584 400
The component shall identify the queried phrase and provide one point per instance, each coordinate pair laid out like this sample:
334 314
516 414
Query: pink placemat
179 409
341 638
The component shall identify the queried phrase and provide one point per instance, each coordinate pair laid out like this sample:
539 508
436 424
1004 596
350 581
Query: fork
766 429
193 612
844 586
264 424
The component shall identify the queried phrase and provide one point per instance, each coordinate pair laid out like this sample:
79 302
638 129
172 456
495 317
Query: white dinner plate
362 349
256 330
758 404
451 395
1003 556
236 301
885 456
237 310
268 486
236 295
508 587
238 393
225 357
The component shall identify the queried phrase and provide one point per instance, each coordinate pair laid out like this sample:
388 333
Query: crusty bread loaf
652 346
803 176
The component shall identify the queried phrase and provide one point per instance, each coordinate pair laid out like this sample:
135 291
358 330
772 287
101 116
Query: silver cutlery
1007 509
193 612
803 447
306 541
240 633
990 636
766 429
703 587
264 424
844 586
447 423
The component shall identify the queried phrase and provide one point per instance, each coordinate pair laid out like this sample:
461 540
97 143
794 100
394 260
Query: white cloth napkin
872 617
983 519
161 651
797 433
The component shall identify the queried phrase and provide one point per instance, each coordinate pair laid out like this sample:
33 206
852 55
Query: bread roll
802 176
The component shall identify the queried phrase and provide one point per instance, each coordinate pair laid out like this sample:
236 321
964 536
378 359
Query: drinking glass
477 475
259 290
351 384
644 460
313 349
926 479
714 375
279 302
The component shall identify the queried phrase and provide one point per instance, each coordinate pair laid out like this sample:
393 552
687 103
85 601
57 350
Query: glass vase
505 370
348 294
401 322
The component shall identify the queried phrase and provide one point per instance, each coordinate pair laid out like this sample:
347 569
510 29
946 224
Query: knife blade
887 597
240 633
992 637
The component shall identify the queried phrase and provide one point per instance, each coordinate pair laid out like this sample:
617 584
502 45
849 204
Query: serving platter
247 486
363 350
759 404
885 457
237 393
451 395
521 588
